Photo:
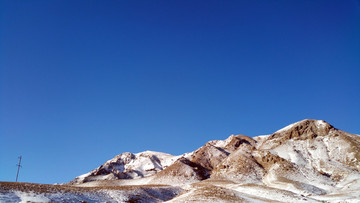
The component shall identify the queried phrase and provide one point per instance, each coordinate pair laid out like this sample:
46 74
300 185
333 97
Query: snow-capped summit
306 123
129 166
305 129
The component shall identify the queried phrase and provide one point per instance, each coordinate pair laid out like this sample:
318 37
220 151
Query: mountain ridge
309 158
306 161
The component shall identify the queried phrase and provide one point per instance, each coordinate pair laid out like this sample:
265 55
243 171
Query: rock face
240 166
181 171
309 157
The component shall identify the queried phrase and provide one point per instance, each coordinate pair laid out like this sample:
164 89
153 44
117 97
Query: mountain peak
129 166
305 124
305 128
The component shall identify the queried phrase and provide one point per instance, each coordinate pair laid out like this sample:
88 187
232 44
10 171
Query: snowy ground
226 191
28 192
205 191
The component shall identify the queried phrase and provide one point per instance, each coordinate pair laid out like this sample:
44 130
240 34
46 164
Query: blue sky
83 81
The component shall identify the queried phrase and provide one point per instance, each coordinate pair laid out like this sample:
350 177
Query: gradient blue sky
83 81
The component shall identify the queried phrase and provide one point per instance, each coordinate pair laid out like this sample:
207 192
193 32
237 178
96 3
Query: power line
18 165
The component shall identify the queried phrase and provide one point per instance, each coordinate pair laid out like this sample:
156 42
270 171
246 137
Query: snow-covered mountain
307 161
129 166
307 158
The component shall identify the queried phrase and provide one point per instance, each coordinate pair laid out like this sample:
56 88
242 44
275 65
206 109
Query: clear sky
83 81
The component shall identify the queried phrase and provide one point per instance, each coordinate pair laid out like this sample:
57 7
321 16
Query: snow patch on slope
286 127
321 123
31 197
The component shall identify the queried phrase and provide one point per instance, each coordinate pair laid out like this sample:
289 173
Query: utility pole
18 165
